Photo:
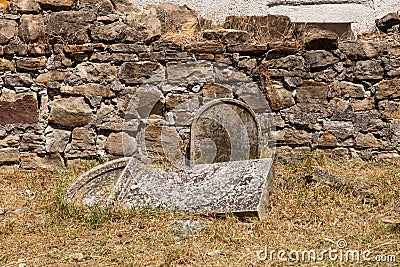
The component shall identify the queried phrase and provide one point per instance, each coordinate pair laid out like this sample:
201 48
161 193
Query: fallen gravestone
220 140
227 187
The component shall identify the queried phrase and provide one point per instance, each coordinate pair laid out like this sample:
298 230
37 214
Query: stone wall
70 72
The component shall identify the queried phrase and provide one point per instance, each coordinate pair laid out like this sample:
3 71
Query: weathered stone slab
16 47
312 92
237 186
94 73
52 76
115 32
224 131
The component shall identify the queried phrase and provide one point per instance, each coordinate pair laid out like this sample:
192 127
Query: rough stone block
31 161
279 97
115 32
141 72
32 143
366 141
9 156
8 29
31 64
229 187
9 141
57 5
360 49
25 6
390 109
200 72
83 144
296 137
327 140
20 109
93 73
388 89
369 70
31 28
56 140
319 59
347 89
70 112
216 91
101 7
363 105
5 64
312 92
18 80
229 75
88 89
16 47
52 76
291 62
70 26
121 144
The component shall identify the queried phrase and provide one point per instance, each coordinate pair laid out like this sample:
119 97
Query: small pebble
213 253
19 211
78 257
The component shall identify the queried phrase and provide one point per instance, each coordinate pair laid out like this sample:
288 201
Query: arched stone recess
186 107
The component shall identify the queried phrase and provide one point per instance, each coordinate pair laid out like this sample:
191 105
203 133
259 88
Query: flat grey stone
227 187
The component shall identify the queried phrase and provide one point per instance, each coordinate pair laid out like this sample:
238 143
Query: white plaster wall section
362 16
361 12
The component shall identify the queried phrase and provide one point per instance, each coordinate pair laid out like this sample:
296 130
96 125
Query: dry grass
301 216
